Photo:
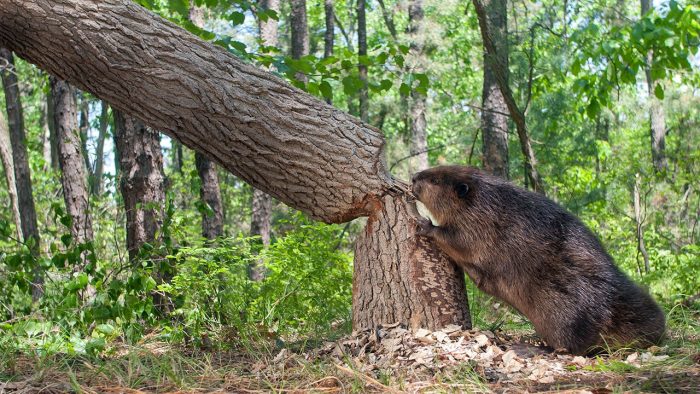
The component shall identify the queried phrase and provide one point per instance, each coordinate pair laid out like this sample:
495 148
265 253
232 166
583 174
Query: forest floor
389 359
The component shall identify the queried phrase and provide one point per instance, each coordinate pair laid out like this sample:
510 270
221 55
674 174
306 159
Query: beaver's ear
462 190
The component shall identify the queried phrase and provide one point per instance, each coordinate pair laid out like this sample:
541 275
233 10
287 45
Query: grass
155 366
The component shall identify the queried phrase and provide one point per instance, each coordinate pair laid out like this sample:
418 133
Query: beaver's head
445 190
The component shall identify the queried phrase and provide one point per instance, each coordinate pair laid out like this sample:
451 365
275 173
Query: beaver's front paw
425 227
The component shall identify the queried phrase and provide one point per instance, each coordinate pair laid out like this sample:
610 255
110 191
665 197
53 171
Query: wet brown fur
527 250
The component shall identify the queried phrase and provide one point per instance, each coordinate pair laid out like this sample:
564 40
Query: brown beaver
527 250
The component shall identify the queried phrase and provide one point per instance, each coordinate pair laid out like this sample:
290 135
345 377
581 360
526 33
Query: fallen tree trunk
279 139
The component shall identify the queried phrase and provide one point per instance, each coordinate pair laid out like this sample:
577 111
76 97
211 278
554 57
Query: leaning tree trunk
23 179
70 158
657 118
494 113
8 164
279 139
500 72
209 190
419 136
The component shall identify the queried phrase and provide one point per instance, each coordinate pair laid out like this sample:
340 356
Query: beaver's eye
434 181
462 190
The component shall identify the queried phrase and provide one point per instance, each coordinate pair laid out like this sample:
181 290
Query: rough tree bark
8 164
494 113
97 182
209 191
657 117
20 158
279 139
142 181
70 158
362 51
419 136
500 72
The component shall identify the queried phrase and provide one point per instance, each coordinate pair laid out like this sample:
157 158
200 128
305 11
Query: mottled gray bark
494 113
419 134
8 164
20 158
657 117
70 158
275 137
329 33
209 191
141 182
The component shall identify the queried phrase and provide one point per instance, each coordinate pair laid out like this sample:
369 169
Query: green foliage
608 60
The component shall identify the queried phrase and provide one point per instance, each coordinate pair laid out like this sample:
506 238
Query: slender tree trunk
6 157
84 128
419 135
45 135
329 34
639 224
494 114
300 32
209 191
100 151
277 138
70 157
362 51
500 72
53 140
657 118
20 158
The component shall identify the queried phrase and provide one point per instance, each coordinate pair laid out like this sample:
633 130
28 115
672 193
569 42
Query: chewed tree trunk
279 139
400 277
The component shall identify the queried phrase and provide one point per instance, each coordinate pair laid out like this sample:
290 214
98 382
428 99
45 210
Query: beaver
530 252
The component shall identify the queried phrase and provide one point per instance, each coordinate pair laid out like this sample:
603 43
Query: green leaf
66 239
659 91
404 89
237 18
326 89
106 329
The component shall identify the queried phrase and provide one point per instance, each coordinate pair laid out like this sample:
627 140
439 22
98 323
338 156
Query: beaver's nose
413 178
